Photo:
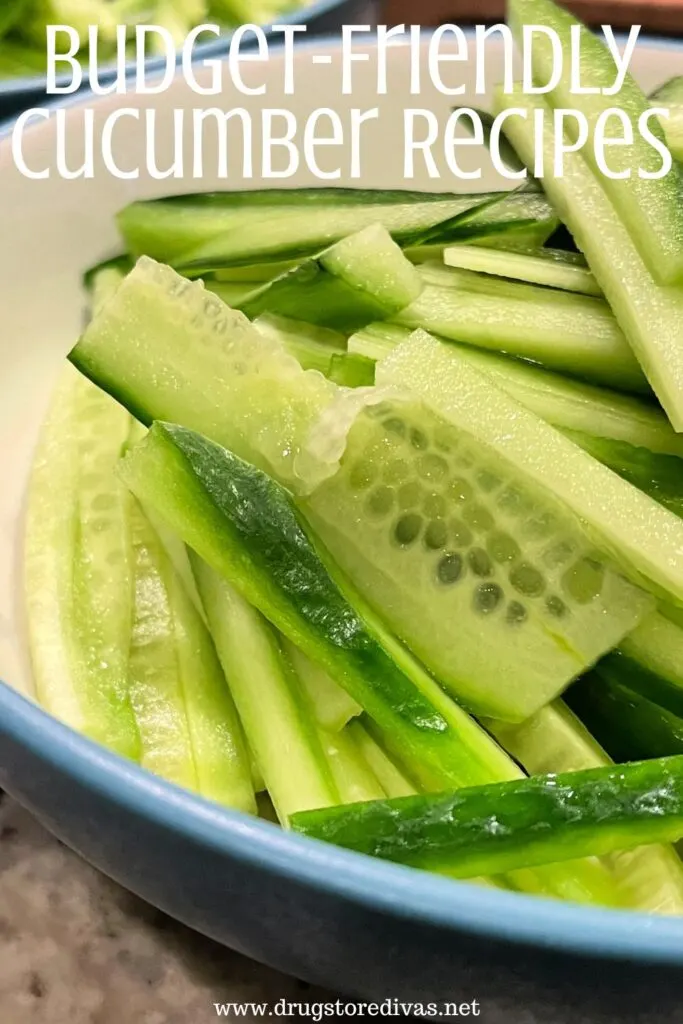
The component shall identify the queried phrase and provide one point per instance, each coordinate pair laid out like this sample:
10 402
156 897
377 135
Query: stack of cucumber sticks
363 511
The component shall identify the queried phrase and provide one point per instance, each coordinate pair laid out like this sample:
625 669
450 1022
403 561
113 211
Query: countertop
75 948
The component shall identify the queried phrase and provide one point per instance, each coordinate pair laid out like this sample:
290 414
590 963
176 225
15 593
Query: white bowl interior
54 229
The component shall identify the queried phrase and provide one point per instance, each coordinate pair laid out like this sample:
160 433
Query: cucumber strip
188 724
671 95
104 283
78 576
659 475
391 778
275 717
364 277
573 333
627 724
318 348
228 229
646 538
232 293
145 347
353 776
333 707
565 403
650 661
522 215
533 269
540 820
649 208
246 527
554 740
650 315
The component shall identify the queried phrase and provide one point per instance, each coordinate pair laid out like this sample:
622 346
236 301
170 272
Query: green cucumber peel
506 826
649 314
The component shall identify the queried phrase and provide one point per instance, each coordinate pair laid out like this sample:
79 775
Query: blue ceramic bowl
321 17
332 917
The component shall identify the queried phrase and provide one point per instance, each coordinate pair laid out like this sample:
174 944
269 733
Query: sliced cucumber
648 206
319 348
540 820
354 778
650 661
649 314
628 725
573 333
146 346
223 229
188 724
481 572
554 740
644 537
333 707
275 715
78 571
540 268
566 403
671 95
245 526
362 278
391 778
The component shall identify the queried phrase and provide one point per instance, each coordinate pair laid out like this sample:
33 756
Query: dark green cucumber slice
648 206
575 334
649 314
222 229
481 572
245 526
189 729
527 822
566 403
167 349
273 709
670 95
645 538
540 268
627 724
363 277
554 740
77 567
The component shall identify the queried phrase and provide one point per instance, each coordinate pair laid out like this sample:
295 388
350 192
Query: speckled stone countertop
75 948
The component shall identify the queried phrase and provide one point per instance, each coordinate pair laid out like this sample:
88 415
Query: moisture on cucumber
534 821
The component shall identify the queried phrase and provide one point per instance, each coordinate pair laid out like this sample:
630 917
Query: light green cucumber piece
566 403
247 528
274 712
167 349
188 724
649 313
318 348
103 284
390 777
649 207
332 706
231 229
361 278
480 571
78 577
538 269
575 334
645 538
246 525
670 95
354 778
650 661
554 740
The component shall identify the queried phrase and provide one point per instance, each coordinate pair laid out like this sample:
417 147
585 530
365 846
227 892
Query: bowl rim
36 84
402 892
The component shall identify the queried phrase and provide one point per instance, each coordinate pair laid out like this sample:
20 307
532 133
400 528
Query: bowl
332 917
321 17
